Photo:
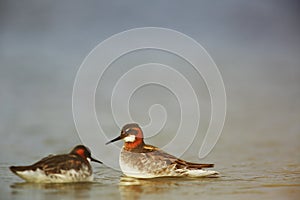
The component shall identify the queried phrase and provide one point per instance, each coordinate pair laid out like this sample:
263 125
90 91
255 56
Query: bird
140 160
72 167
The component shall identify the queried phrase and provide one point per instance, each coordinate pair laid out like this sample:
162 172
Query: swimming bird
72 167
141 160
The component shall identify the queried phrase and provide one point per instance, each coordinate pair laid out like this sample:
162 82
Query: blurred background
255 44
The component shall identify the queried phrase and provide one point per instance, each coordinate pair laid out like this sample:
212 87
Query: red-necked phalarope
72 167
140 160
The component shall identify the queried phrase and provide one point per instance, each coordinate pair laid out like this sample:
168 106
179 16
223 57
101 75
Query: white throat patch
129 138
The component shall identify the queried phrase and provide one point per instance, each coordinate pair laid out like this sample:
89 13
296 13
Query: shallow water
255 176
112 185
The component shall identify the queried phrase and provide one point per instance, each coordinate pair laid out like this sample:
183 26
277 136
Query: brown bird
141 160
72 167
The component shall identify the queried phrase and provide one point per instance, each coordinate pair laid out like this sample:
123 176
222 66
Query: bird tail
198 165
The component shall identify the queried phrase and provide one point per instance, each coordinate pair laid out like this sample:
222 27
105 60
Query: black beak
116 139
94 160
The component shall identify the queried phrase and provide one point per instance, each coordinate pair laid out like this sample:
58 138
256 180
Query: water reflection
131 188
73 190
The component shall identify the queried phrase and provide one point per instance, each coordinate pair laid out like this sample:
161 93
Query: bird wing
158 154
53 164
